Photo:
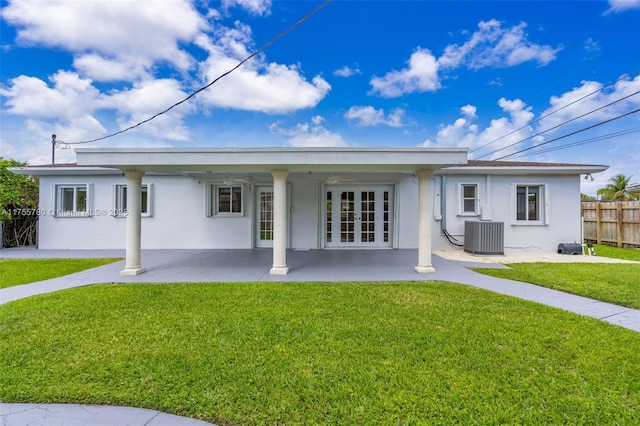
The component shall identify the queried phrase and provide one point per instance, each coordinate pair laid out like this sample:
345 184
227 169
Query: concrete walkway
253 265
88 415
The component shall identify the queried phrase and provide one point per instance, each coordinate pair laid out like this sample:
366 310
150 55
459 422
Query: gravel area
463 256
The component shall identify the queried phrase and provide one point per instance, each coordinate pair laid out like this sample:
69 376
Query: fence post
599 223
619 223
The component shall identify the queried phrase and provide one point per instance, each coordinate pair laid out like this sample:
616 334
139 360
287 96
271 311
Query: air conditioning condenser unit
484 237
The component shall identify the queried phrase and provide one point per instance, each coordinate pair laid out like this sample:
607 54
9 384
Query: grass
617 253
614 283
23 271
312 353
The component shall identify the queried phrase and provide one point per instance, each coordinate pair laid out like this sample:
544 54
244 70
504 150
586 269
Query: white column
279 222
424 222
134 215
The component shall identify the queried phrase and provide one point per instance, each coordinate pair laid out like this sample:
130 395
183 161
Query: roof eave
525 170
63 170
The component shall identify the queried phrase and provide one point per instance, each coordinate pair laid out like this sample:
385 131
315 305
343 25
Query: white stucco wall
179 221
178 217
304 199
407 213
497 199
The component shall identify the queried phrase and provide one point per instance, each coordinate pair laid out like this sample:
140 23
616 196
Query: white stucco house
303 198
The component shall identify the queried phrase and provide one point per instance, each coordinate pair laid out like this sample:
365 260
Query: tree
617 189
19 202
587 197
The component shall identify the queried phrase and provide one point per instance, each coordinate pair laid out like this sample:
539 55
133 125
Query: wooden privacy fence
612 223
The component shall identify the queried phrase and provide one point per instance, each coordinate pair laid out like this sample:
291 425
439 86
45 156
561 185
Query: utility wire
554 111
582 142
558 125
257 52
570 134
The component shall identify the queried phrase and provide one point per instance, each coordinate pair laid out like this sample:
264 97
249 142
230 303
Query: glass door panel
347 217
264 220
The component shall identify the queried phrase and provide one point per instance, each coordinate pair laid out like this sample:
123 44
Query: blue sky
479 74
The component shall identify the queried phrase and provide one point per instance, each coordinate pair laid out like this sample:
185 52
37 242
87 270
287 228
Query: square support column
424 223
279 223
134 222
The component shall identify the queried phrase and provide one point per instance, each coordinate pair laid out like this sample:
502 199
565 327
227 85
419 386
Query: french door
358 216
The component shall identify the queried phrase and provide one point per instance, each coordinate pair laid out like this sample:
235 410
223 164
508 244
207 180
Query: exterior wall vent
484 237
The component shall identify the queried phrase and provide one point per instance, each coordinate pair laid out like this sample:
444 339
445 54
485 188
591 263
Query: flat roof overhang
578 169
358 159
63 170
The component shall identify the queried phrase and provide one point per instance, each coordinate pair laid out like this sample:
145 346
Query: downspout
443 203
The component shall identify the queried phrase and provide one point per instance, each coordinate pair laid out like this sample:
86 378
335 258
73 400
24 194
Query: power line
257 52
582 142
558 125
571 134
553 112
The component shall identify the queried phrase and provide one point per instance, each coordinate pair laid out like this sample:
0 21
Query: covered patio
278 164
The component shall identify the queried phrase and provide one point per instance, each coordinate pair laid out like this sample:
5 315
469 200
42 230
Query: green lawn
312 353
613 283
23 271
618 253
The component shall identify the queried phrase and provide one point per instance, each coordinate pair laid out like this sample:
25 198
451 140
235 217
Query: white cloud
469 111
622 5
347 71
33 144
490 46
72 102
255 7
494 46
258 85
71 96
590 103
420 75
148 98
110 42
36 150
592 46
101 68
367 116
466 133
309 134
136 33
